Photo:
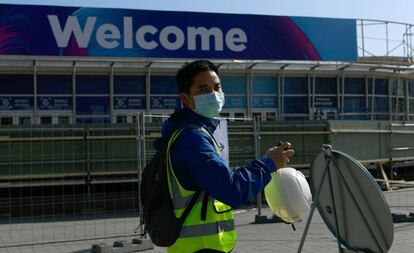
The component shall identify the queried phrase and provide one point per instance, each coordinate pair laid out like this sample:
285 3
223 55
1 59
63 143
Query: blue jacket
197 165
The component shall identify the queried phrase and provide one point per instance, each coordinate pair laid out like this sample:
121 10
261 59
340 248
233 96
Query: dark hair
185 76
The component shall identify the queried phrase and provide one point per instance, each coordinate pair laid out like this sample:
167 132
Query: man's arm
197 165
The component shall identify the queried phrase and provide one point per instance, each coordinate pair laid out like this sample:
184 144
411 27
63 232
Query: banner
222 138
71 31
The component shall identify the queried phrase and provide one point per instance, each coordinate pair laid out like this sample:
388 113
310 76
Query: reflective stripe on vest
207 229
216 232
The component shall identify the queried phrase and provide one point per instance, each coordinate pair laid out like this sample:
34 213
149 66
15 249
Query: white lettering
147 37
140 37
107 36
236 39
205 35
127 32
72 25
179 38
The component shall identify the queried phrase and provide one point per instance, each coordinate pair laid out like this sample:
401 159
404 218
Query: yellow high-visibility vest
216 232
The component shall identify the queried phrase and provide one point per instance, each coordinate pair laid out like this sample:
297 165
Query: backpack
158 218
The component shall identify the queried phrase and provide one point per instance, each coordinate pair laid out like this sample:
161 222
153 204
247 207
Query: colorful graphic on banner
128 103
70 31
16 103
55 103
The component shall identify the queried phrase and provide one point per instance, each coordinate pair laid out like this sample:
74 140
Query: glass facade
164 93
265 92
269 95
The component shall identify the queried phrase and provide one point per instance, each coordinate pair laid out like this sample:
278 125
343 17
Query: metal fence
69 182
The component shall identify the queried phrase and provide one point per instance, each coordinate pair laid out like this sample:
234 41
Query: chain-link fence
78 179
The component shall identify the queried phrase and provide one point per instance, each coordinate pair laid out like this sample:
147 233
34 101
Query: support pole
327 149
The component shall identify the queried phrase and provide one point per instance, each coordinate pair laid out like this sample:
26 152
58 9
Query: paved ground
274 237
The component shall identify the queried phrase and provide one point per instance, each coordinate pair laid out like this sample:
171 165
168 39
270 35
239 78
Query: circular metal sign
352 204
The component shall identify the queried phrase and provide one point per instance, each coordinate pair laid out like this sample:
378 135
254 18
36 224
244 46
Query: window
257 115
354 86
265 85
381 86
265 92
6 121
381 104
354 104
164 85
397 88
92 84
63 120
92 105
25 120
270 116
16 84
46 120
325 85
235 102
239 115
411 88
296 104
233 84
121 119
225 114
129 85
296 85
54 84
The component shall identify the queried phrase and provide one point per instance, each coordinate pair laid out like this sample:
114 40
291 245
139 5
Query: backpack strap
190 205
175 134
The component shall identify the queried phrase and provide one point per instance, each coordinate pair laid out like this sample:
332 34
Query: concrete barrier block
123 246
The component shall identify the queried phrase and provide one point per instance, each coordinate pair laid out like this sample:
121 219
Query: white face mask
209 105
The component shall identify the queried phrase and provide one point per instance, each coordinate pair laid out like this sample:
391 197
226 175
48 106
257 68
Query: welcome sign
70 31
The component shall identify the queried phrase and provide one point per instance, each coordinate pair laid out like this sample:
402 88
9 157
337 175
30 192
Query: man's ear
186 100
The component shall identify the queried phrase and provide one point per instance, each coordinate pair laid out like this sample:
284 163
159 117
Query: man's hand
280 154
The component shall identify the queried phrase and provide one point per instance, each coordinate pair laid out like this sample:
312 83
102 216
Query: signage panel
72 31
55 103
16 103
165 102
126 103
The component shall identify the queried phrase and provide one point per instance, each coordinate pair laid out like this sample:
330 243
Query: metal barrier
70 182
67 182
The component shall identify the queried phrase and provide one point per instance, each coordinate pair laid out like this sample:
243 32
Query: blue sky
392 10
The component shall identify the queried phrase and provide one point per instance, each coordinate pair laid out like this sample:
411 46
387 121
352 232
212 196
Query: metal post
88 178
363 39
386 34
327 149
338 235
139 164
256 125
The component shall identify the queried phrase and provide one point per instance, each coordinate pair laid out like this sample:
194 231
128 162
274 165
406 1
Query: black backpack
158 218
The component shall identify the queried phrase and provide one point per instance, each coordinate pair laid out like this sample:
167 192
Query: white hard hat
288 195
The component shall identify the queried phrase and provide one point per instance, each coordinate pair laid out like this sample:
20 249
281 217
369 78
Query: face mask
209 105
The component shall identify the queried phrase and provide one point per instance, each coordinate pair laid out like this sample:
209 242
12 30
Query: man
197 165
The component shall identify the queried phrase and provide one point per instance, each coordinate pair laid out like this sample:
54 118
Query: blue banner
55 103
265 102
235 102
16 103
165 102
128 103
71 31
325 101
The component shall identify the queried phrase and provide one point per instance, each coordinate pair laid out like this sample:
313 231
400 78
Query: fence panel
67 182
79 181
